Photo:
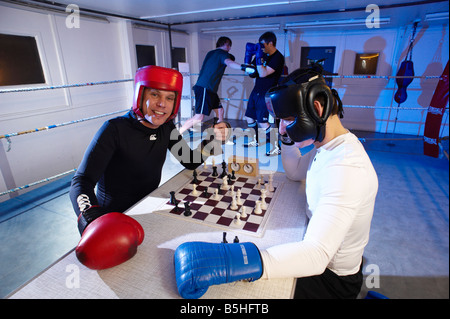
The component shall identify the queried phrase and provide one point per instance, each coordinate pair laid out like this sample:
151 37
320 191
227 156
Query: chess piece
258 210
263 198
270 187
214 172
233 177
195 180
238 197
234 205
225 183
224 239
238 221
187 209
216 194
243 212
224 170
173 200
194 191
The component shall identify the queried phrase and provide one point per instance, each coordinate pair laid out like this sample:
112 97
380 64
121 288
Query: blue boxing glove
250 51
199 265
259 54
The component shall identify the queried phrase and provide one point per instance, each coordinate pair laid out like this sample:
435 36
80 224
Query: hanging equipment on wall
406 69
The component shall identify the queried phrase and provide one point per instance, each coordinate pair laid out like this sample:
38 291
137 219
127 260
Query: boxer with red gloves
124 161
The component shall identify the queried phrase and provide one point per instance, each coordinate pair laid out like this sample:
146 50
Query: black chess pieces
224 170
236 240
187 209
233 177
173 200
195 180
224 240
214 172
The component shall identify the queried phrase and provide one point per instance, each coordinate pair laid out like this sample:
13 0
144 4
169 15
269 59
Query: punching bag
434 116
406 69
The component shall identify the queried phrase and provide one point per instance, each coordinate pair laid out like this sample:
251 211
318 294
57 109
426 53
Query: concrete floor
407 256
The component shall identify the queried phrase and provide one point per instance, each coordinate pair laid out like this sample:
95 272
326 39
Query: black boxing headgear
295 99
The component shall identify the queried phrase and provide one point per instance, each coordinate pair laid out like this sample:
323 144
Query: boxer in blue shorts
269 64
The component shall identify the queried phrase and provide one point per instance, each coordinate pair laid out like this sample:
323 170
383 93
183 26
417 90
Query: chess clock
243 165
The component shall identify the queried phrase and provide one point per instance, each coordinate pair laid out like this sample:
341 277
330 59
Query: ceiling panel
197 15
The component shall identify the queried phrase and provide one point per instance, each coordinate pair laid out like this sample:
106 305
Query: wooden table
150 273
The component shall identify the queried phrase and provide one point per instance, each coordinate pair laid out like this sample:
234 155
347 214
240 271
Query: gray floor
407 256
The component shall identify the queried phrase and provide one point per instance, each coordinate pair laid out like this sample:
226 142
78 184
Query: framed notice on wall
366 63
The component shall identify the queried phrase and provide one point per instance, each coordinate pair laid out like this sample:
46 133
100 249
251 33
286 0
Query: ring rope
387 77
37 182
65 86
46 128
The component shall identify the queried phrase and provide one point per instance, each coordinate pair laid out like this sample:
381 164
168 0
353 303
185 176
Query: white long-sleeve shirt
341 186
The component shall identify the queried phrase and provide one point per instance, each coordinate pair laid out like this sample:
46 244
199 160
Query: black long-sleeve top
125 160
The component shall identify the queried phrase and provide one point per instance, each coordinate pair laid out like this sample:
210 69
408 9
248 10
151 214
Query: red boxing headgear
159 78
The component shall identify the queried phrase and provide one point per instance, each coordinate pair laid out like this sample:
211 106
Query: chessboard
209 201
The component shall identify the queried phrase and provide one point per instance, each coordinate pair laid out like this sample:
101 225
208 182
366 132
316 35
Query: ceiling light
260 27
228 8
333 23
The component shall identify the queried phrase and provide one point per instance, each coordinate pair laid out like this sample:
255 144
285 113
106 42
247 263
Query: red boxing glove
109 240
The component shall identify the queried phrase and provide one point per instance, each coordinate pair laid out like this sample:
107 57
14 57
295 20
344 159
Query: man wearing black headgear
341 186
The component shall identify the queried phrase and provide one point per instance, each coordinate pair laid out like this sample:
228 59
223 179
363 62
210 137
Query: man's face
282 129
264 46
157 106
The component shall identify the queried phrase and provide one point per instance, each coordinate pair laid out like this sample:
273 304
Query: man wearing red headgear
125 160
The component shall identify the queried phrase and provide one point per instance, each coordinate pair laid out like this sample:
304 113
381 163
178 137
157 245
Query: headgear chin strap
159 78
296 100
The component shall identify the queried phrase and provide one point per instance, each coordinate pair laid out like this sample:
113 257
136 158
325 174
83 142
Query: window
145 55
19 61
178 55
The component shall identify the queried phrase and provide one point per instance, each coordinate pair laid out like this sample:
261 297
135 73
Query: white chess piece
234 205
225 183
238 197
258 210
263 199
216 194
238 221
194 192
244 213
270 187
